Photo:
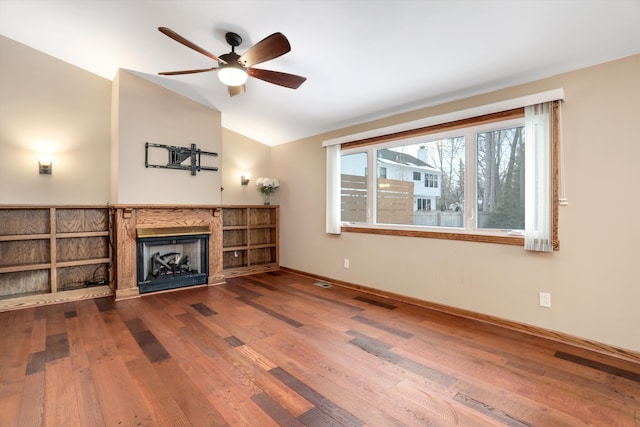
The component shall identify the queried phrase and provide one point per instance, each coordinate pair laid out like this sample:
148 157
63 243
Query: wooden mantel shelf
191 206
163 206
130 219
243 239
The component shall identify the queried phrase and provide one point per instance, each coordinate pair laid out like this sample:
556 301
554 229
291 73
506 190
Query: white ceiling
363 59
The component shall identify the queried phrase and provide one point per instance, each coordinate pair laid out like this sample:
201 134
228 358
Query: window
473 180
424 204
431 180
353 184
500 178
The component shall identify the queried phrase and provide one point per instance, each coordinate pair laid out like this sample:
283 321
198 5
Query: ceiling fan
233 69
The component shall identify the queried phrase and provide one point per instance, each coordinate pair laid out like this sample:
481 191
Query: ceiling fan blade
175 73
271 47
277 78
236 90
177 37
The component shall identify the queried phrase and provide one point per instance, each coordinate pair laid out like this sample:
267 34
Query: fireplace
170 258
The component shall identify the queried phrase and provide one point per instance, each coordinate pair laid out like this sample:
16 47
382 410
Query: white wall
594 279
147 112
241 154
49 106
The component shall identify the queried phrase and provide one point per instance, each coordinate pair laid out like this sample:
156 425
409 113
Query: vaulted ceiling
362 59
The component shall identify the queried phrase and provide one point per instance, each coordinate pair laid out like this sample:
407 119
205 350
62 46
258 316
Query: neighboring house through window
472 179
482 163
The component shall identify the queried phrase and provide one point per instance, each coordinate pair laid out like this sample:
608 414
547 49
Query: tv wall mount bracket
177 157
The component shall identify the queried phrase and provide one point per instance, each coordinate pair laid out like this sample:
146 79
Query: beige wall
239 155
49 106
147 112
594 279
95 132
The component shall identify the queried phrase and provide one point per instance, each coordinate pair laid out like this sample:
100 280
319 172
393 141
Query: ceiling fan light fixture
232 74
233 69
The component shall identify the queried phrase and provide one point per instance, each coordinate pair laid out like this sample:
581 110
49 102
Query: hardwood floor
275 349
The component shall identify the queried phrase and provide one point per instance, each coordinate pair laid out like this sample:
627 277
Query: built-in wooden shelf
250 242
60 253
52 250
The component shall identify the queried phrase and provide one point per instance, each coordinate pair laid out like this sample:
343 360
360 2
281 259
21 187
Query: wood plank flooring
274 349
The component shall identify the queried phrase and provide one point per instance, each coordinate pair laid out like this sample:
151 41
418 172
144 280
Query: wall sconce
45 165
244 179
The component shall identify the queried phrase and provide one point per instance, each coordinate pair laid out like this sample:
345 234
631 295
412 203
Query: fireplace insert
172 262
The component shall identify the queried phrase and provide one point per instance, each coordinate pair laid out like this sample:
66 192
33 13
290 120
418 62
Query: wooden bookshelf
49 250
250 241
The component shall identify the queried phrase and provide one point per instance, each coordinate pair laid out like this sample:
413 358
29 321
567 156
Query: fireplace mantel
129 219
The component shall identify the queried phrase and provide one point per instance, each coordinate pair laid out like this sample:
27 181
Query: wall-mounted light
244 179
45 165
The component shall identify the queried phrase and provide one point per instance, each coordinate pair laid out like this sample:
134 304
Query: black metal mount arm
177 155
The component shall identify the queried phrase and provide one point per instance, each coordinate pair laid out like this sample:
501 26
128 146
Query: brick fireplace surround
129 219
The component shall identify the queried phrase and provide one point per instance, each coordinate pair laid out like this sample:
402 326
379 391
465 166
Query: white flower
267 185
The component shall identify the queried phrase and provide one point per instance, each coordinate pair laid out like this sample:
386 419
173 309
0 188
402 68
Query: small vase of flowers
266 187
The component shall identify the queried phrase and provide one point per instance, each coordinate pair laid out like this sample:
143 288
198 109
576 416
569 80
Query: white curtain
538 235
333 189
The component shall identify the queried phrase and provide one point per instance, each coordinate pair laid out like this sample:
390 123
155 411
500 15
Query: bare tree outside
500 179
448 155
434 182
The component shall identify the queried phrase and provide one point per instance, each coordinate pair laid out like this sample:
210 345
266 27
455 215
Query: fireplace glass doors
172 262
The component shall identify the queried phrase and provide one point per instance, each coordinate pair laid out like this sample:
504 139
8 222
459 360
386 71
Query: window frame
473 234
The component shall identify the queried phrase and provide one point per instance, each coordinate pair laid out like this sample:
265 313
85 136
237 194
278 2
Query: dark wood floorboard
274 349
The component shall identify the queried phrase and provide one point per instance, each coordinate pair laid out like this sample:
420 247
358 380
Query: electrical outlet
544 299
346 263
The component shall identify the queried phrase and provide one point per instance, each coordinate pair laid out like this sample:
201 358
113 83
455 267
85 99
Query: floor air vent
323 284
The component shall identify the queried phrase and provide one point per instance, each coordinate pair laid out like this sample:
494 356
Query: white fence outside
447 218
439 218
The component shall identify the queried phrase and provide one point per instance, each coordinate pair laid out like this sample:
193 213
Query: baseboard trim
566 339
